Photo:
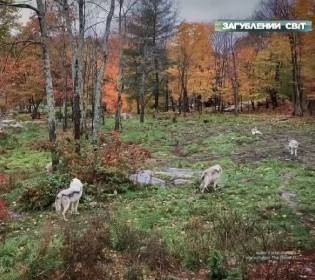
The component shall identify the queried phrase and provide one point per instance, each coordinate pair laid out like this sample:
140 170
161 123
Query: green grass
254 172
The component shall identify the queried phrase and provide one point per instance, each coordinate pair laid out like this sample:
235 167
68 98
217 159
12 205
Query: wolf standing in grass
210 176
293 147
70 196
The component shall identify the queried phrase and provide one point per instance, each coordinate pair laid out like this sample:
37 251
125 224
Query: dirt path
289 197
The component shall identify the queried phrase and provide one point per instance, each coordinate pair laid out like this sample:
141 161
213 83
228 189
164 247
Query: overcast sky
209 10
206 10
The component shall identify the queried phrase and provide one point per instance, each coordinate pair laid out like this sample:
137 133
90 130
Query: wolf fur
69 197
293 147
210 176
255 131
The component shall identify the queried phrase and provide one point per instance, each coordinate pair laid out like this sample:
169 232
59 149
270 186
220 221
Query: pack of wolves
70 197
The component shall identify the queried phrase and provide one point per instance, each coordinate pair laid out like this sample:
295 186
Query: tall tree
124 8
41 15
100 74
285 9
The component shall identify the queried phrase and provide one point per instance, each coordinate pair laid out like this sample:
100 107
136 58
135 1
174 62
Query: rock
142 177
167 177
93 204
179 173
126 116
146 178
157 182
17 125
7 121
48 167
178 182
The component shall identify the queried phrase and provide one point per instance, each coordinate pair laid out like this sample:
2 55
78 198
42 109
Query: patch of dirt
274 146
289 197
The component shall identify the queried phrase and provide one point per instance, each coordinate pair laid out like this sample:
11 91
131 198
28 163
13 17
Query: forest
193 150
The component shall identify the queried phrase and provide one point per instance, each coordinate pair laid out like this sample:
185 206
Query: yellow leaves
191 47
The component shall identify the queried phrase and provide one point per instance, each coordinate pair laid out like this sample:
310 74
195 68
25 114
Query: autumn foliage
112 157
4 213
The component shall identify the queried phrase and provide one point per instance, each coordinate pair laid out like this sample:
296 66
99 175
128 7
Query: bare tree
232 51
124 9
100 74
219 43
76 63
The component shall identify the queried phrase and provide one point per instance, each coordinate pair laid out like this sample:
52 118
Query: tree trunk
156 86
97 100
235 83
166 97
142 93
118 112
76 107
100 74
297 97
138 104
48 83
76 64
120 73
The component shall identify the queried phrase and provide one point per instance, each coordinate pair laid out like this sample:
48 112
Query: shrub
134 272
84 251
125 238
218 266
4 183
155 253
199 243
4 213
46 260
8 141
41 145
41 192
108 165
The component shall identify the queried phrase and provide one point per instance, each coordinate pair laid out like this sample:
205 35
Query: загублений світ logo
263 26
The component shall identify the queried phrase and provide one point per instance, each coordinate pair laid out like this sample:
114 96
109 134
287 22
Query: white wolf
293 147
70 196
210 176
255 131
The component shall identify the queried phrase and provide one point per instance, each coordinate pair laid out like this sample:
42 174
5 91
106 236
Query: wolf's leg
76 207
206 183
65 209
72 207
291 151
201 187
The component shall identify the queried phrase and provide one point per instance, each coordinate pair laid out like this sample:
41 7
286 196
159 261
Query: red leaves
4 213
4 183
113 156
119 153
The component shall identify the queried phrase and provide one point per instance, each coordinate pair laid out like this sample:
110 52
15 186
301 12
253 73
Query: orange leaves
112 156
111 75
191 47
120 153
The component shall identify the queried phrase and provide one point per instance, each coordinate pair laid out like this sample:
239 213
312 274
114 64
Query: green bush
218 266
8 141
41 192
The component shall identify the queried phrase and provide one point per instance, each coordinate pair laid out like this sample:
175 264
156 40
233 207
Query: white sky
203 10
209 10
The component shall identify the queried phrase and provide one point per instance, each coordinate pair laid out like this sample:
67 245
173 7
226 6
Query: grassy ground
248 210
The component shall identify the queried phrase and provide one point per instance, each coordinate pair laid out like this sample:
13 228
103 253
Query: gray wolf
69 197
